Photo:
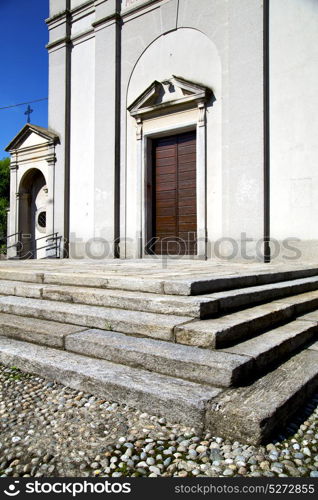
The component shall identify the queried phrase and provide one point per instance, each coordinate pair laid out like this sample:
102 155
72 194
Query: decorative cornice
68 12
57 16
51 161
82 37
93 3
136 8
112 17
83 6
151 101
60 41
25 132
99 2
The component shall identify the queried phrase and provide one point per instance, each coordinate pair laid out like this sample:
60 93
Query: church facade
176 127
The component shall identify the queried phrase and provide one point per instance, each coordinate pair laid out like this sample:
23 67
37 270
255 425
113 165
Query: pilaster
51 158
59 49
107 109
13 211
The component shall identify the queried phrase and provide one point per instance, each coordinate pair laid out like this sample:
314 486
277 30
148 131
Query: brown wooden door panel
166 154
187 159
187 201
168 179
186 184
188 175
165 220
167 169
165 202
174 194
187 210
188 235
166 189
185 219
186 193
166 212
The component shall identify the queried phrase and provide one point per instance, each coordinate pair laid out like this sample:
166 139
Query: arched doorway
170 178
33 199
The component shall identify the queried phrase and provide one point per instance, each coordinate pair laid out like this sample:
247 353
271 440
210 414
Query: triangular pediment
176 90
31 135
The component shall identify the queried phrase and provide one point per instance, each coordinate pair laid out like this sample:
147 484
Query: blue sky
24 65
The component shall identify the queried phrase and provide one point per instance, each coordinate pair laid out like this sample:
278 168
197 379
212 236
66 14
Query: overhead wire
24 103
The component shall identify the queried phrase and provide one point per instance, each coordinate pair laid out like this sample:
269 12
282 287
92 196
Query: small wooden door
174 195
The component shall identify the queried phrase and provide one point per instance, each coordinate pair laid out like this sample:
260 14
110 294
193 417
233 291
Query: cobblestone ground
50 430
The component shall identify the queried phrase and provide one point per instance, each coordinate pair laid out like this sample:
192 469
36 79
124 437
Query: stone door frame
145 133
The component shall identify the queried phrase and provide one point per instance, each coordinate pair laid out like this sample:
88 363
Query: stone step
21 289
230 367
230 281
314 346
236 327
252 413
35 330
189 363
249 414
119 299
211 333
197 307
235 299
157 326
175 399
274 346
160 283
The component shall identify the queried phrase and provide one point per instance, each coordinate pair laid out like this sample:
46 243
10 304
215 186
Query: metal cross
28 113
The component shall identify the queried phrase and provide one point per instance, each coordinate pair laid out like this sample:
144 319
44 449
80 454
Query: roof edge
26 130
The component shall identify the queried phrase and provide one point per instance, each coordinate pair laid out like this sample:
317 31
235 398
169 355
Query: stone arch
33 200
176 53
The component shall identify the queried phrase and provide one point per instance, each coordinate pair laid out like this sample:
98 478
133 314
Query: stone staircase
234 352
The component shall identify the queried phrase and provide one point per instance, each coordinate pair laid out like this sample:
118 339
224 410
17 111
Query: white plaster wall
218 44
82 141
57 6
33 140
183 52
236 29
243 122
129 4
77 3
83 24
230 61
294 119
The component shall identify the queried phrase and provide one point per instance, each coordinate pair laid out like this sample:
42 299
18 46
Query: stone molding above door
174 92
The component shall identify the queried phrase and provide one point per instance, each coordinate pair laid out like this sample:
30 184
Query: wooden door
174 195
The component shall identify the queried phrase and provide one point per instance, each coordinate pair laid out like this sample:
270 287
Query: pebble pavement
50 430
